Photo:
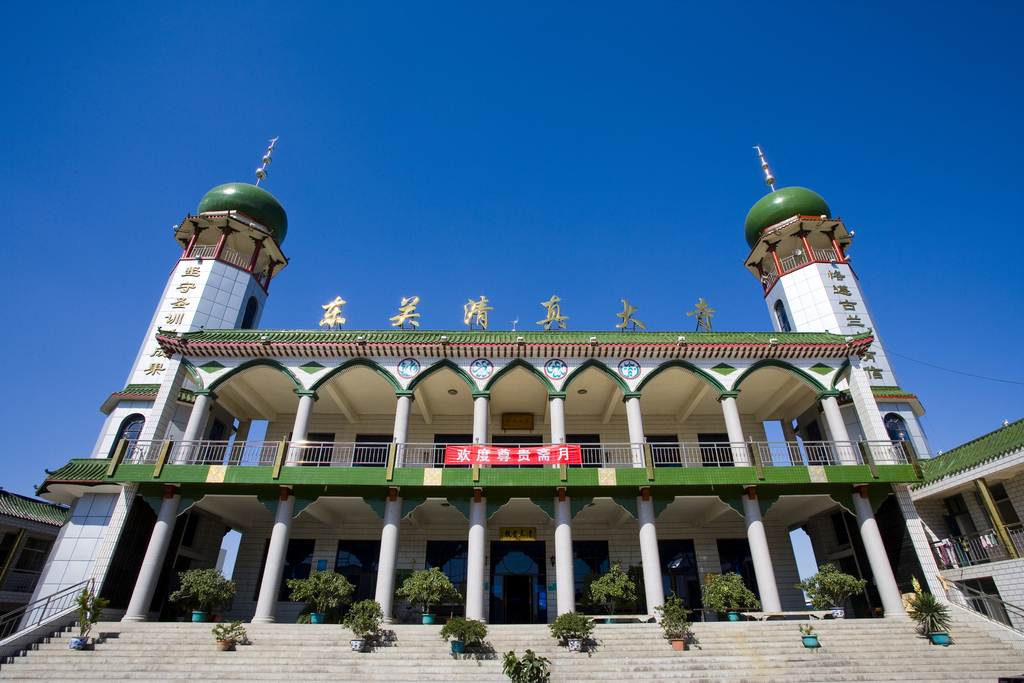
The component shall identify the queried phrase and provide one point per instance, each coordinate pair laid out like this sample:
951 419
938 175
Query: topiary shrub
571 625
365 619
614 589
728 593
830 587
427 588
469 631
674 620
324 590
204 589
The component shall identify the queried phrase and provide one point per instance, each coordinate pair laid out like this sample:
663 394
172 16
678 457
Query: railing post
908 451
869 459
392 451
122 448
755 459
282 450
161 460
649 461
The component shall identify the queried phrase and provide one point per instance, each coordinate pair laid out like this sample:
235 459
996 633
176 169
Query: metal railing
794 261
970 549
1016 532
21 581
989 606
605 455
35 613
236 258
332 454
203 251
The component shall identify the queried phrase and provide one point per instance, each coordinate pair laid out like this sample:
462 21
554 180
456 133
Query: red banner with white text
496 455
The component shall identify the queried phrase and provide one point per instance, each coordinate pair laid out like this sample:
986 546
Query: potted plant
463 632
364 619
614 590
932 617
227 634
572 627
427 588
807 633
90 609
830 588
325 590
727 593
203 590
529 669
674 622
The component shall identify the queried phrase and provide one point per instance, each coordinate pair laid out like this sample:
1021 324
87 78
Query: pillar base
262 620
134 618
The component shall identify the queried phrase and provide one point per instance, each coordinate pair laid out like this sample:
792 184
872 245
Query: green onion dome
780 205
254 202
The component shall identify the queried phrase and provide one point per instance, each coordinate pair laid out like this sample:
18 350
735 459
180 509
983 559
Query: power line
937 367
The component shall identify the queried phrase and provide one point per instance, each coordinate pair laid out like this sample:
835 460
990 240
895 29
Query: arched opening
595 417
781 317
442 414
683 421
129 430
897 427
777 393
519 391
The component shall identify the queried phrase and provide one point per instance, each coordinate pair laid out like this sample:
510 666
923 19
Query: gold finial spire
261 172
769 179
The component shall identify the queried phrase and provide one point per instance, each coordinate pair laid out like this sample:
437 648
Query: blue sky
514 150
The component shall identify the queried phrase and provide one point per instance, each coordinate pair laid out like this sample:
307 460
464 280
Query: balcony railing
203 251
235 258
794 261
963 551
20 581
606 455
1016 533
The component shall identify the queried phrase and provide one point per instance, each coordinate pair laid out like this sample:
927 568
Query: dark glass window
959 519
298 562
357 560
1002 501
713 455
313 456
250 313
896 427
679 571
665 450
443 440
450 557
33 555
188 536
217 430
129 430
591 450
780 314
814 431
371 450
587 557
734 555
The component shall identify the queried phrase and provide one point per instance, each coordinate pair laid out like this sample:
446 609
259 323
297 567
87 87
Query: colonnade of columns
764 571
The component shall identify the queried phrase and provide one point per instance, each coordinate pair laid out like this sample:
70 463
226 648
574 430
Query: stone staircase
863 650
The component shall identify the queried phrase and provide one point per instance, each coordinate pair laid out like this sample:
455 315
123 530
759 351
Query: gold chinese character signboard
518 533
517 420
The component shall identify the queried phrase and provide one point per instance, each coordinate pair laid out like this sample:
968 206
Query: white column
558 419
266 604
734 428
302 415
403 410
635 423
159 540
885 582
864 403
847 452
564 575
387 565
197 418
758 541
481 418
475 559
650 557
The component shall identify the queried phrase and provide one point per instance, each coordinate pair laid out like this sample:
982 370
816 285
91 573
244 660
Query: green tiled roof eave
505 337
139 390
21 507
1001 441
78 470
891 392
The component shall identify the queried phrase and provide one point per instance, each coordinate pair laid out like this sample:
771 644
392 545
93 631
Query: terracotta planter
678 643
224 645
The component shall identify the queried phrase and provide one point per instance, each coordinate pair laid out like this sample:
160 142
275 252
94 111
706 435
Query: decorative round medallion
556 369
408 368
481 368
629 369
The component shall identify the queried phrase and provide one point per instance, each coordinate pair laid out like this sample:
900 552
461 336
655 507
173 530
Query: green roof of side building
780 205
254 202
21 507
992 445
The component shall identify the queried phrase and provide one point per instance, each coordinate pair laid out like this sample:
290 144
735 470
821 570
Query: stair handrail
991 607
47 607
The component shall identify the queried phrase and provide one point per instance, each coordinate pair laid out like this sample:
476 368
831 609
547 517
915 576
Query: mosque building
517 462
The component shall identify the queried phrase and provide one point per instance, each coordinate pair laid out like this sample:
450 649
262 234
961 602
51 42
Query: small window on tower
130 429
896 427
780 313
250 313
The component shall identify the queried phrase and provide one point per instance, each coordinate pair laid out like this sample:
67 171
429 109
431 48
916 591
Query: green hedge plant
572 626
325 590
830 587
674 621
365 619
469 631
614 589
529 669
728 593
204 589
427 588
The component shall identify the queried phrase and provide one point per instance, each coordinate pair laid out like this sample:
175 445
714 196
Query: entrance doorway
518 583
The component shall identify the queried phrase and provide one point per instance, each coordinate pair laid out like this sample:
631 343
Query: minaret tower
231 249
800 254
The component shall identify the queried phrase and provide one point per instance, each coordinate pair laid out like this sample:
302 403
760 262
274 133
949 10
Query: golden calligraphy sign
517 420
518 533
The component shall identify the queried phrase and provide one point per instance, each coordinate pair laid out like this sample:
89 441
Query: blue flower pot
734 616
939 638
810 641
458 646
198 617
317 617
428 619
